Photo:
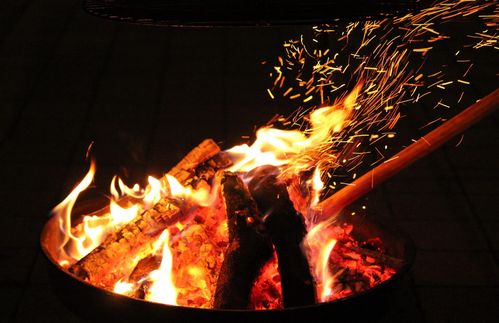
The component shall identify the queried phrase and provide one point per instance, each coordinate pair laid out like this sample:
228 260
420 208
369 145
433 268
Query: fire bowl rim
409 257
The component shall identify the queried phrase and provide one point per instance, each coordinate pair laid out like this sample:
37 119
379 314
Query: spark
270 94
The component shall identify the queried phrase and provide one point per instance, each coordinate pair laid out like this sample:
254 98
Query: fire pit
265 246
102 305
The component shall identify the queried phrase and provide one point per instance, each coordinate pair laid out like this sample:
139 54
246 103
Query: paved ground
146 96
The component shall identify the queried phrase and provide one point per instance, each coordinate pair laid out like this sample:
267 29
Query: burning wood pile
222 239
221 230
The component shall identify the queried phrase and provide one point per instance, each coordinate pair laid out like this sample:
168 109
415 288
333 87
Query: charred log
107 263
248 248
287 231
208 154
186 168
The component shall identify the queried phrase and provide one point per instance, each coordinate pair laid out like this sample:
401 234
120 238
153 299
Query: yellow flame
123 287
201 196
124 190
176 189
317 186
120 215
78 241
278 147
162 289
63 212
153 190
318 254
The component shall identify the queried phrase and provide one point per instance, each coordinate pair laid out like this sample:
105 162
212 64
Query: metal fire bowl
96 304
209 13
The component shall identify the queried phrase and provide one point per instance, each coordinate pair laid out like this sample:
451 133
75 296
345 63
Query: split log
107 263
186 168
248 248
208 154
287 231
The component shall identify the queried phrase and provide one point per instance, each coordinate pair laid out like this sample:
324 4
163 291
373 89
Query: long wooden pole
419 149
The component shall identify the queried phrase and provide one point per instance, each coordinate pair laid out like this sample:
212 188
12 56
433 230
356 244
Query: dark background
146 96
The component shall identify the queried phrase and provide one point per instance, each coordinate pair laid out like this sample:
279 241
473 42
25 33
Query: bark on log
248 249
107 263
287 230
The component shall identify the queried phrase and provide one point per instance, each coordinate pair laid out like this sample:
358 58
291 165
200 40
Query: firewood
287 229
208 154
107 263
248 248
186 168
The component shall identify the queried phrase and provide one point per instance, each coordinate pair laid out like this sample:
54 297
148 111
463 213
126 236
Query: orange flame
78 241
322 270
283 147
318 254
73 246
200 196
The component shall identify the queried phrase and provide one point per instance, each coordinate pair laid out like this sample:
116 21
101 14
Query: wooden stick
331 206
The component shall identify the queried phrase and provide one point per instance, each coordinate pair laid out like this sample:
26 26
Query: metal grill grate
244 13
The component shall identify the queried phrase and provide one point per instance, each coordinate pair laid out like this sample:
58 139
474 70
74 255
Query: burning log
187 167
209 159
107 263
248 248
287 231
